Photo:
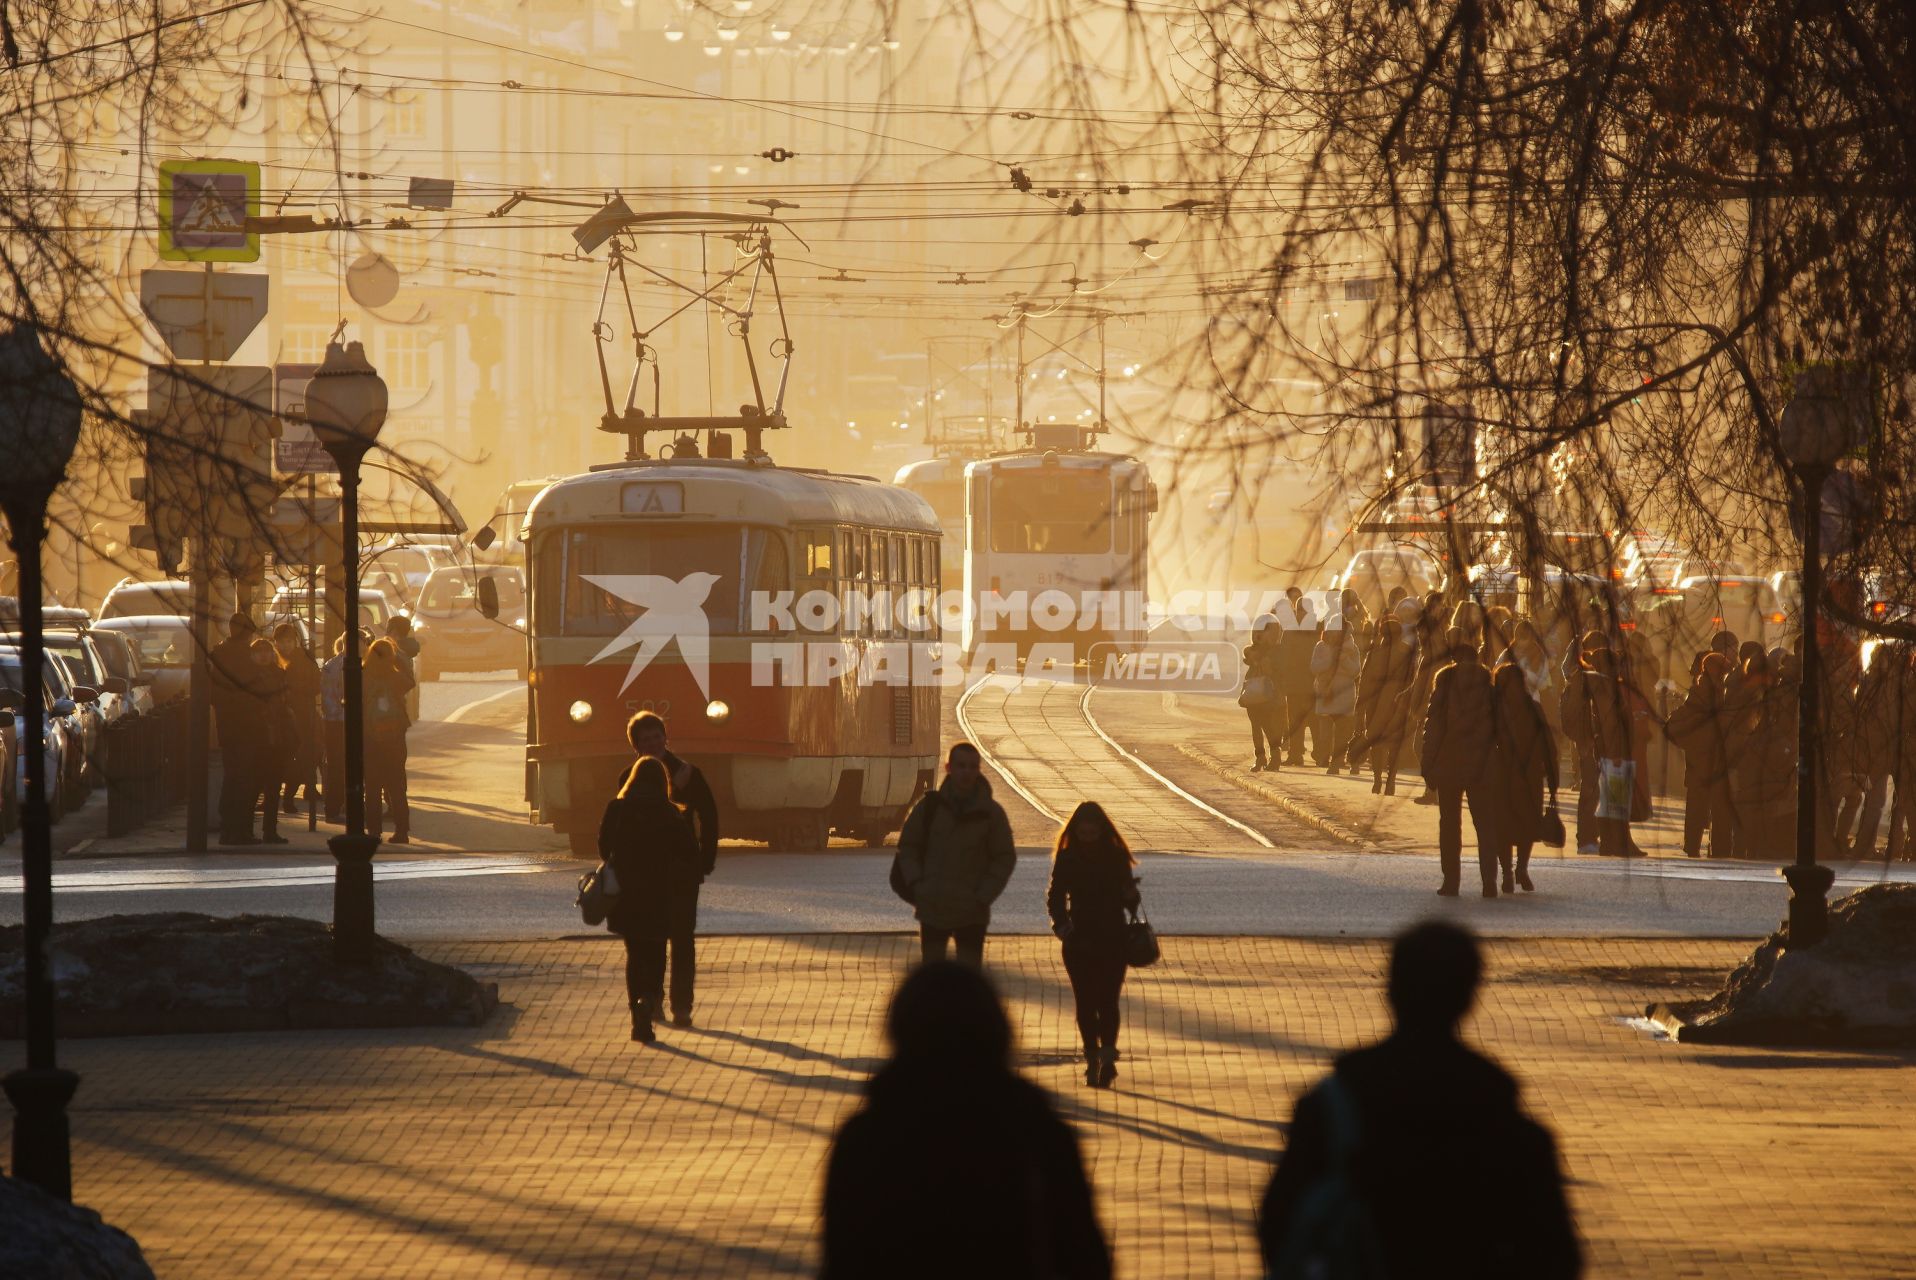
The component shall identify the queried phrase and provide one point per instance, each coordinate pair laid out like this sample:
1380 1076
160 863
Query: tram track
1041 737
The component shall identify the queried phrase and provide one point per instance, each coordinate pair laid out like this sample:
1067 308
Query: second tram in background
940 479
1057 516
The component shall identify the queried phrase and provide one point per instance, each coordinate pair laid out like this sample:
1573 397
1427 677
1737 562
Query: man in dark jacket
646 732
239 707
1459 735
1439 1139
956 855
955 1166
1295 683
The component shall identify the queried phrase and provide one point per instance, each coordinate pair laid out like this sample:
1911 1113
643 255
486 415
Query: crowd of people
1497 708
957 1166
281 718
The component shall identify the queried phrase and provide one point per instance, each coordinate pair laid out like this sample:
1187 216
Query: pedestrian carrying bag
1141 949
1257 691
1616 788
1550 827
899 885
598 893
1332 1235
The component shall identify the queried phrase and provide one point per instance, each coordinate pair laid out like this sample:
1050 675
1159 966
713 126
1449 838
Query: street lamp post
346 403
1816 429
39 427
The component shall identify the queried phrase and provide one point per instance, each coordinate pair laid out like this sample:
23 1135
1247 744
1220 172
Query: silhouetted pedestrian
1383 691
955 1167
1458 739
1262 705
1091 890
656 860
1700 729
1525 763
1452 1178
302 700
647 733
275 738
384 691
1335 662
332 713
237 707
1295 683
956 856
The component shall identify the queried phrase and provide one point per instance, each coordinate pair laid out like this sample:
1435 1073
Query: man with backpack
1413 1157
955 856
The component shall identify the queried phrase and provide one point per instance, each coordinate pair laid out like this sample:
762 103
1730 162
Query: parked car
121 657
1373 572
455 636
164 645
61 734
88 722
129 599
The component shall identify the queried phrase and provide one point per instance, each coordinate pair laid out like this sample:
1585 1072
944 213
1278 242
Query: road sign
213 429
298 449
203 315
204 205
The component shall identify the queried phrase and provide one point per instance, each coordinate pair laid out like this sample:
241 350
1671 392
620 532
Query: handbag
1616 789
1141 949
598 894
1257 691
1550 827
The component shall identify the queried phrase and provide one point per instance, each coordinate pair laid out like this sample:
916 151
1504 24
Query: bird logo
674 610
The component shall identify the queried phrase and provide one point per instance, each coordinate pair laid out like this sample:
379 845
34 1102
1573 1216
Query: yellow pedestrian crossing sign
205 210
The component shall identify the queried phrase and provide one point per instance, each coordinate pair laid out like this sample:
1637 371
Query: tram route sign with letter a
652 498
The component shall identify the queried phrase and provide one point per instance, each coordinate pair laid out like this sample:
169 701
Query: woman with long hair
1091 889
656 858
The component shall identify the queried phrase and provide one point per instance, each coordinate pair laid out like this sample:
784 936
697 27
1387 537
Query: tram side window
818 553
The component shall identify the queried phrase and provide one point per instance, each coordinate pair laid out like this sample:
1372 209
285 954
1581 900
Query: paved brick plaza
546 1144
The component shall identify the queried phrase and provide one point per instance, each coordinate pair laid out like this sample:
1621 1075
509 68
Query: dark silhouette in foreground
956 1166
655 854
1091 889
1437 1171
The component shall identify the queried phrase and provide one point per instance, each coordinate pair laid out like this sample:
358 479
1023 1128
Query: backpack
899 885
1332 1235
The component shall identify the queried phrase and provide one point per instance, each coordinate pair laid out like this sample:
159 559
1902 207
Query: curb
294 1015
1311 817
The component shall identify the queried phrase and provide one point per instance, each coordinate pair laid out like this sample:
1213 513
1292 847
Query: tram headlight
580 711
716 711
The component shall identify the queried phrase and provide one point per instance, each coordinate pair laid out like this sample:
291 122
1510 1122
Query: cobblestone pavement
546 1144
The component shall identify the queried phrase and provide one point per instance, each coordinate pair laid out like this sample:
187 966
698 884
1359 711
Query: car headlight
716 711
580 711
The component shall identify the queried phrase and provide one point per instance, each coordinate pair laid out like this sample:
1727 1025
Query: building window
405 360
303 344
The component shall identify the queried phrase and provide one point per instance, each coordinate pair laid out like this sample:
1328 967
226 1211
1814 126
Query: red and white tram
790 761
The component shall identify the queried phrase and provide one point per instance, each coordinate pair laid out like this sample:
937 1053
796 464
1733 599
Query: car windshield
79 658
454 591
112 656
168 647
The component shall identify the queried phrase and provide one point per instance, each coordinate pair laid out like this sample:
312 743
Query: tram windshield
1057 510
742 560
